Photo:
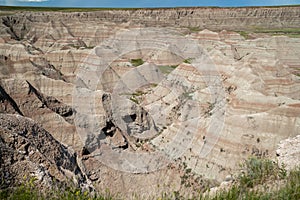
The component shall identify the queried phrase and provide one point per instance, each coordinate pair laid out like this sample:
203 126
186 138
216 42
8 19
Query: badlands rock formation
27 150
134 102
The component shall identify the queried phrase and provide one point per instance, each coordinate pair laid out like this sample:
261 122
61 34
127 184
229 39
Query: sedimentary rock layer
146 103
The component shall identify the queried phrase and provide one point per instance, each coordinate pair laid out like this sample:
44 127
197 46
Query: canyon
147 101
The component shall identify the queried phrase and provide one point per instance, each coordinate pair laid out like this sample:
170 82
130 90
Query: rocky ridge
27 150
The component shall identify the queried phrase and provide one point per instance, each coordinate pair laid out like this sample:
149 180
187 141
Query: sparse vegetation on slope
137 62
167 69
263 179
30 191
188 60
290 32
258 171
259 179
289 190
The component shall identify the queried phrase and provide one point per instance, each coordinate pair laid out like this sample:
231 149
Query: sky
146 3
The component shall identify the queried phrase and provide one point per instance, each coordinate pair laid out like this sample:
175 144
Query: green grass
6 13
257 171
137 62
188 95
139 93
245 34
290 32
188 60
153 85
31 192
261 172
135 96
290 190
167 69
194 29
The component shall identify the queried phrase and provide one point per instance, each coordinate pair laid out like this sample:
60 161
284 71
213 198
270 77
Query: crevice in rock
67 112
109 129
118 138
236 54
31 48
92 143
130 118
48 70
67 28
12 24
12 33
85 151
124 146
106 102
5 97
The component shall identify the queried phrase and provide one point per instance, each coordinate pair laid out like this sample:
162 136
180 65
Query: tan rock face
151 109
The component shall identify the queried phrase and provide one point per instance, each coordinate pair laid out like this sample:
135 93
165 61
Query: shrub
188 61
257 171
137 62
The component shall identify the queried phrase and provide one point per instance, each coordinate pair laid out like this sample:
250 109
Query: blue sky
145 3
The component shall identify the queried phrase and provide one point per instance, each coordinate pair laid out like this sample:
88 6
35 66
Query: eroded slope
91 80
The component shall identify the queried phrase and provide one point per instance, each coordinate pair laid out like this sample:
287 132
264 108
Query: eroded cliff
148 104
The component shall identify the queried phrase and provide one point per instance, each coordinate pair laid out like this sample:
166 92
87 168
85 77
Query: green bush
292 188
188 61
257 171
137 62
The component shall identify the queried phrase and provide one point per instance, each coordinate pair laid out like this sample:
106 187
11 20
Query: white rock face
288 152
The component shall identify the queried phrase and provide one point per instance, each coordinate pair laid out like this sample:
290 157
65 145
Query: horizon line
120 8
